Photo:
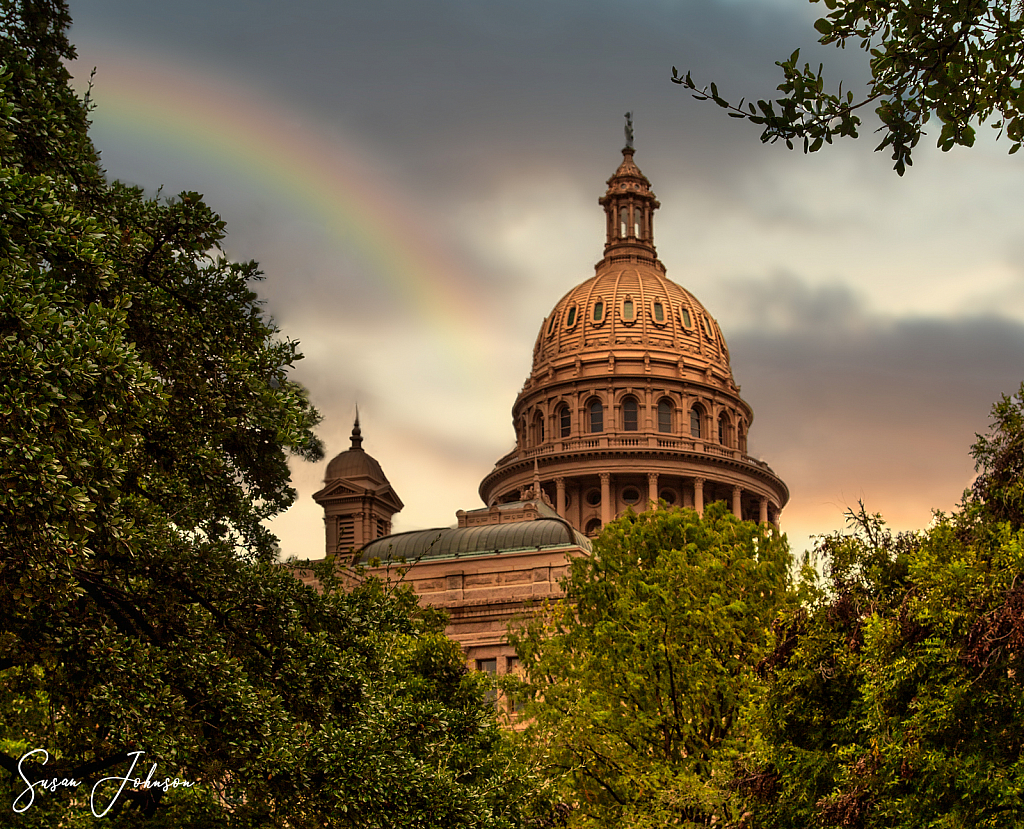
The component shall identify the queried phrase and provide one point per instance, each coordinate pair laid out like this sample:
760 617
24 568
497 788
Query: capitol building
630 402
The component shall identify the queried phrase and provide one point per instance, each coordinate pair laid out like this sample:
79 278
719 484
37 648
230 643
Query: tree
958 61
146 415
641 676
895 698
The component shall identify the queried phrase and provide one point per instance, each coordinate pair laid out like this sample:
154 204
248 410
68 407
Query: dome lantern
629 206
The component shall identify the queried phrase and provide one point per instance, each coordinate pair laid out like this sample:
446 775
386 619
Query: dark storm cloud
459 91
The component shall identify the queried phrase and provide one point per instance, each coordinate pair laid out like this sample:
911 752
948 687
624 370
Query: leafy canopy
640 677
896 697
146 418
958 62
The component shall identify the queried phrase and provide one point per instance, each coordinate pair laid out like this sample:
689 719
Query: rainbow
252 136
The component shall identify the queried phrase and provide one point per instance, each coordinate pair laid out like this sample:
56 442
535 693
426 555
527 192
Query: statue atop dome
629 130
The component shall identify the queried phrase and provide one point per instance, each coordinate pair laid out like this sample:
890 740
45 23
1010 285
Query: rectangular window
490 667
686 317
564 423
664 416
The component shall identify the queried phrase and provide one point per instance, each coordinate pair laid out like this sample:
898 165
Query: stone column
737 502
606 497
763 514
360 538
698 495
560 496
652 489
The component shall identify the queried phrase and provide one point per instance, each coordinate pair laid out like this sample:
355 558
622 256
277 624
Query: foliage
896 698
640 676
957 61
999 457
146 416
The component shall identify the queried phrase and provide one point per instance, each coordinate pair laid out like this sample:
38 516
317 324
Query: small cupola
357 498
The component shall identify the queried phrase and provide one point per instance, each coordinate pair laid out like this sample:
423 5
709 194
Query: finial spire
629 130
357 435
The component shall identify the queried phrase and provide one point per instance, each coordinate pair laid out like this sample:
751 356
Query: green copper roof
490 539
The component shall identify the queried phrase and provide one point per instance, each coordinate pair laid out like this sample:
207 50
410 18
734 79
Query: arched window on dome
623 222
564 421
630 415
724 430
595 412
697 420
665 415
538 429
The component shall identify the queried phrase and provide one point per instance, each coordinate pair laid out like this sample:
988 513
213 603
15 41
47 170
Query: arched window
623 222
630 415
664 415
696 420
596 412
742 437
724 432
638 221
593 527
564 421
538 429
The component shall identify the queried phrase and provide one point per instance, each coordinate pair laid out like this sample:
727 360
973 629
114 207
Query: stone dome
355 464
630 305
631 399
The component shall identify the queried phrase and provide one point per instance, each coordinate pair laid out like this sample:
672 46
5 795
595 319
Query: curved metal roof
491 539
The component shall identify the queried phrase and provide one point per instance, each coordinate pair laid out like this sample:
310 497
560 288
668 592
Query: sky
419 182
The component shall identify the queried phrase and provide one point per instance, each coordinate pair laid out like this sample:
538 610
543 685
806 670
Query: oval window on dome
570 320
598 311
659 312
707 328
685 316
627 310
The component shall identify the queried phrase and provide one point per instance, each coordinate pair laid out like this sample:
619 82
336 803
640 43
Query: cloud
853 405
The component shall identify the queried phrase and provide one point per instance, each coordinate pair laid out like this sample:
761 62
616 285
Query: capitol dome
631 399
